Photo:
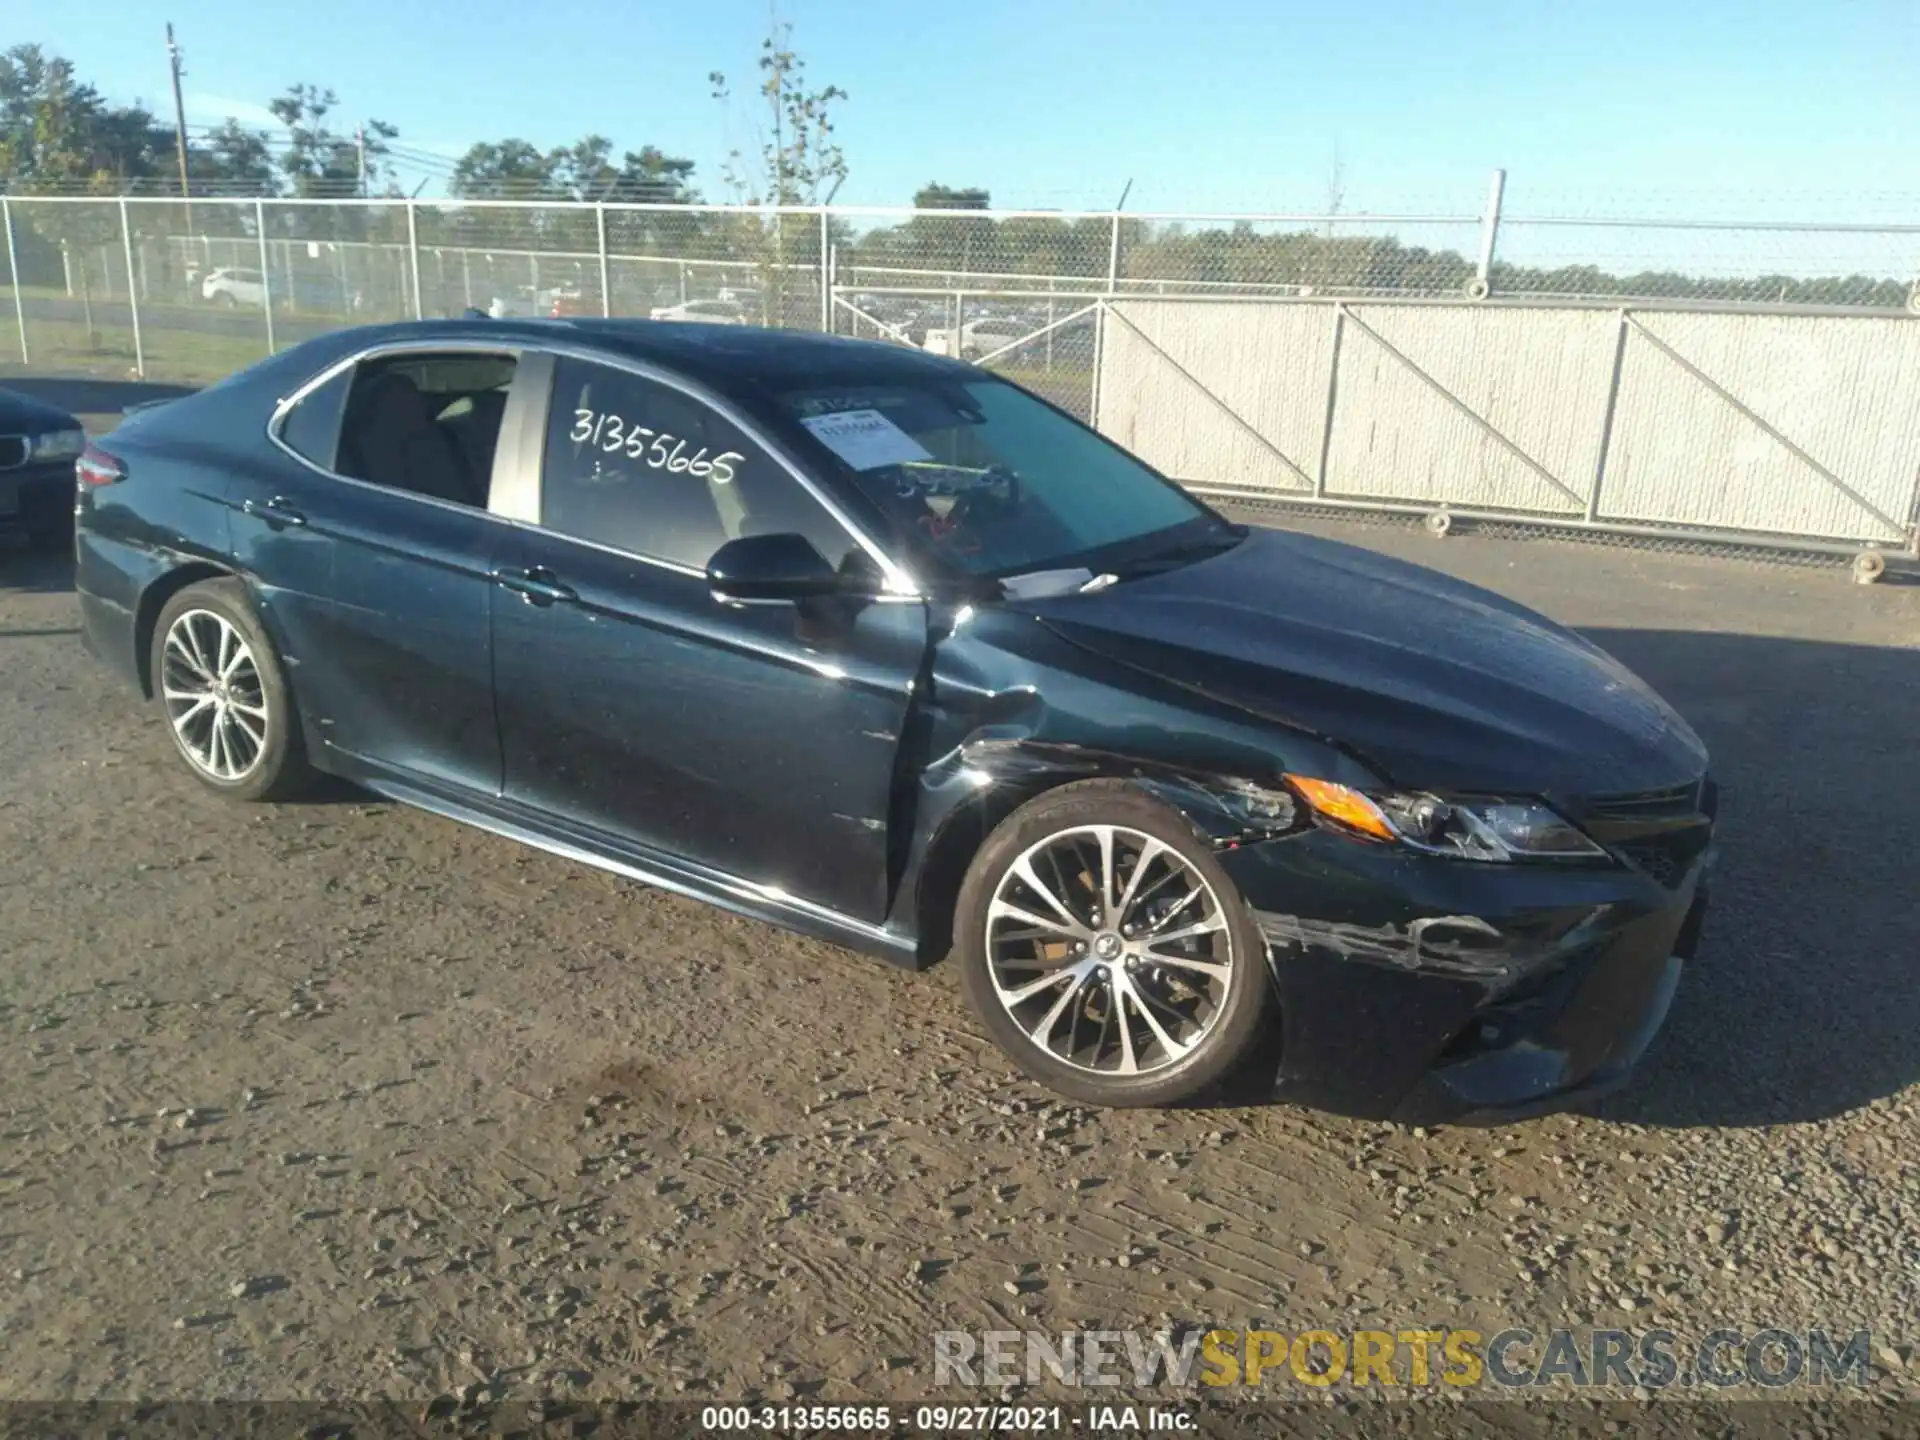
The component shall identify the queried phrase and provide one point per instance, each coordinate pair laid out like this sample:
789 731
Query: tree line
61 136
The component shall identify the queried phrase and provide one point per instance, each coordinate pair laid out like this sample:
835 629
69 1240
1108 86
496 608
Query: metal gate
1798 428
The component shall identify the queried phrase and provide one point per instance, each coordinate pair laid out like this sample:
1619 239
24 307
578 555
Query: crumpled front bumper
1424 990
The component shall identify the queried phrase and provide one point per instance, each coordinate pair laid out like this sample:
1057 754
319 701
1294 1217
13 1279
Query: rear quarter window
311 429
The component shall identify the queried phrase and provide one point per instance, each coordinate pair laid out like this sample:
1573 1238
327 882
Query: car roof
727 358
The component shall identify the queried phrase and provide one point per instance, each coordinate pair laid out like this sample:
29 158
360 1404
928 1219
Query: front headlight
58 444
1489 829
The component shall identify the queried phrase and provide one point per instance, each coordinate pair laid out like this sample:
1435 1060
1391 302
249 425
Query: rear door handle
276 512
536 586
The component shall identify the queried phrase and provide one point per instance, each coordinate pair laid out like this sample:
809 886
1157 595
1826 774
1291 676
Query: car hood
24 415
1438 683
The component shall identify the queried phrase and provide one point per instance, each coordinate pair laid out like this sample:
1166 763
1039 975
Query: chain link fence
1726 264
191 290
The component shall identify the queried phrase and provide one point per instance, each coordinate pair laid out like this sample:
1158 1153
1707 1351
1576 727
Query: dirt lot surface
338 1099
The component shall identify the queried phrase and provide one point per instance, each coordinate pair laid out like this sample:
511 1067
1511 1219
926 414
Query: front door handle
276 512
536 586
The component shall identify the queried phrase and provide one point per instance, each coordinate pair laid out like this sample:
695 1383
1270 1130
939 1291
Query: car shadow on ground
1803 1003
29 569
83 396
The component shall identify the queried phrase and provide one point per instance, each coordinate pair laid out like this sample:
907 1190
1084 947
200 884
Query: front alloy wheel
1107 953
1109 950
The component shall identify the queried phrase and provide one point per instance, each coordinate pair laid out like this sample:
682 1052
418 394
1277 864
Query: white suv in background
234 287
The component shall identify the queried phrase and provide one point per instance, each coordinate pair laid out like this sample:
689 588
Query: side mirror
771 568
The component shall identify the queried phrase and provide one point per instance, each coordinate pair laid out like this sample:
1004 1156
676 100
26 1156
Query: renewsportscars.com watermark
1513 1359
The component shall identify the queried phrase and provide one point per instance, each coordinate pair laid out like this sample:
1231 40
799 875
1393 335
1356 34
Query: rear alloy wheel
226 702
1107 953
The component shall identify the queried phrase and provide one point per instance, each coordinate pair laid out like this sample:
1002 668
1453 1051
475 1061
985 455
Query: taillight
96 467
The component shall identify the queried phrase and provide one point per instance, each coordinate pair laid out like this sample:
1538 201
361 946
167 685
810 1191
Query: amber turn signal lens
1343 806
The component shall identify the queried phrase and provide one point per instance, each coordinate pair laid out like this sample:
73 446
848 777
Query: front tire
1106 951
225 695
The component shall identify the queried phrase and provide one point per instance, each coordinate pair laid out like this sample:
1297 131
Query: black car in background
872 644
39 444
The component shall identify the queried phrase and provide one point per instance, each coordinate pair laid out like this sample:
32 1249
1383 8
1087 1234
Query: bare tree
1325 268
794 159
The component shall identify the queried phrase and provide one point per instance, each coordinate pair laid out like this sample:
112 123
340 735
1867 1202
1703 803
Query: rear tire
1149 996
224 692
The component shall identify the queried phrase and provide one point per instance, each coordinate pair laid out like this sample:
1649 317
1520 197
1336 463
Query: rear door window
426 423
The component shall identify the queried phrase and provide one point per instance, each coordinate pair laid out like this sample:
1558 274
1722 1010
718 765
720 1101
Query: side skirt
572 841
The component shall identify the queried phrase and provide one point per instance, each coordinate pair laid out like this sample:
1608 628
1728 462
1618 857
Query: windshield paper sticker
865 439
1038 584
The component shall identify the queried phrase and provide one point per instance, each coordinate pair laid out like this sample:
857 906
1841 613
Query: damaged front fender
1223 809
1011 710
967 792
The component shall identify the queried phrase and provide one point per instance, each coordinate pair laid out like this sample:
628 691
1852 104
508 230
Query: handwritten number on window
657 449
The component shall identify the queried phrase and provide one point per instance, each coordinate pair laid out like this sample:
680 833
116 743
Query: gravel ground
340 1100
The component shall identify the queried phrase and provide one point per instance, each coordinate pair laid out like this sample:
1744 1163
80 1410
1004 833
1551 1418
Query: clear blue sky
1784 107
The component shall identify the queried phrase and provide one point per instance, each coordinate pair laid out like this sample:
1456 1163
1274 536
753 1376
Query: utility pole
360 146
179 124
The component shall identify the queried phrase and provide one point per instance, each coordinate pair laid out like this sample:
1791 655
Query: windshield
993 482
